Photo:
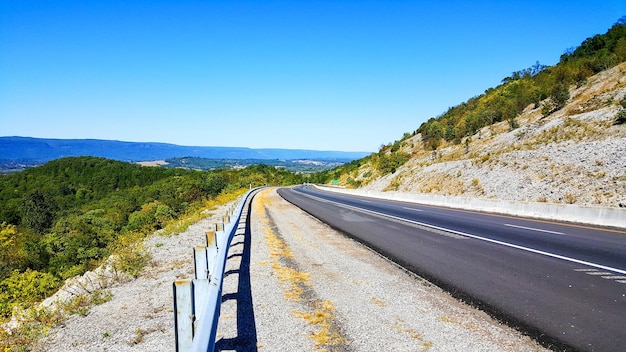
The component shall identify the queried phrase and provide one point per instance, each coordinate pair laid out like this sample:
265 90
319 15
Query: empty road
563 284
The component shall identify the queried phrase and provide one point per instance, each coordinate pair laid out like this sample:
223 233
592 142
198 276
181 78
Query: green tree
560 96
389 163
213 184
37 211
12 252
434 134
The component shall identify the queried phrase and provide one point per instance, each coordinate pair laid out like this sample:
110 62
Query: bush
388 164
24 289
620 118
560 96
130 255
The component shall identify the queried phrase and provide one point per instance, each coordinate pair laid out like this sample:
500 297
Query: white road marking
533 229
407 208
603 274
599 273
536 251
614 277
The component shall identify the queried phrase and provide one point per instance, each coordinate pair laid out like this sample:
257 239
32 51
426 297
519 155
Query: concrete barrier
612 217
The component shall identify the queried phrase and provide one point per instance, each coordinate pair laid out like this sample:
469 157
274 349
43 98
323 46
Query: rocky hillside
576 155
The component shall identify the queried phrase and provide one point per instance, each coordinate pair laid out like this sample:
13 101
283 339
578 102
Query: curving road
563 284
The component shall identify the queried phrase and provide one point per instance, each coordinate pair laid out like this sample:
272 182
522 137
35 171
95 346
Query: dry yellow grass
414 334
322 317
295 284
441 183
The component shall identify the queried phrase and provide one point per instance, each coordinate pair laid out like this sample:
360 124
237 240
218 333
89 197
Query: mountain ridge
30 150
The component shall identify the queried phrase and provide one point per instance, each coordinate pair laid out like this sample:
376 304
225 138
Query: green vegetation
65 217
621 117
327 176
533 85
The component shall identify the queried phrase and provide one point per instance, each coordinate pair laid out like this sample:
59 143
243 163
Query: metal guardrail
197 302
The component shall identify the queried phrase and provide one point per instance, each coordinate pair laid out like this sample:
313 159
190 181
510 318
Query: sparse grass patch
322 317
81 304
571 129
395 183
446 319
477 186
414 334
139 335
36 322
377 302
441 183
569 198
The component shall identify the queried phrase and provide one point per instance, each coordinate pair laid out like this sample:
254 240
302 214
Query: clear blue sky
325 75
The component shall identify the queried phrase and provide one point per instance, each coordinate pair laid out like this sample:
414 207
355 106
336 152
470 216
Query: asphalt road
563 284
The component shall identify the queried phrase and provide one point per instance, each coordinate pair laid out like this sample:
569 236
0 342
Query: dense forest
63 218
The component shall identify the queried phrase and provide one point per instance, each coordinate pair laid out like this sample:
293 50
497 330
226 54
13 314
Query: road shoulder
315 289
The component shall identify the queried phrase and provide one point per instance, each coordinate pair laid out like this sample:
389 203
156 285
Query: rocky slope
576 155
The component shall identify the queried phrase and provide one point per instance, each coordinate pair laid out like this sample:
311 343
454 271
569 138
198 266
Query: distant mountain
28 151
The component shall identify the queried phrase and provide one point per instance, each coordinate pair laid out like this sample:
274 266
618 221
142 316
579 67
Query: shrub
81 304
130 255
620 118
388 164
24 289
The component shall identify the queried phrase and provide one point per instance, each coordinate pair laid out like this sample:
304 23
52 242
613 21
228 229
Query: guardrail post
201 262
201 295
183 314
211 251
